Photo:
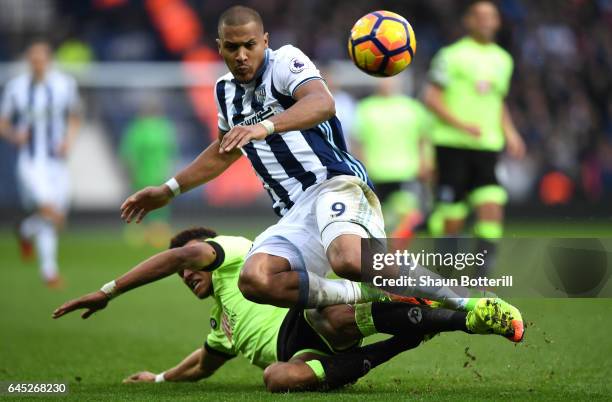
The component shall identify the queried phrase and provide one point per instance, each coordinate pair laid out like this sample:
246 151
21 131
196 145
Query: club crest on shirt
296 65
260 94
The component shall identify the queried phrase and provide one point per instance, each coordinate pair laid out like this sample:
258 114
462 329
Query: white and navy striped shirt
42 109
286 164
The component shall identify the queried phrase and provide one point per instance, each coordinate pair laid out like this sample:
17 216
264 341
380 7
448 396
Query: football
382 43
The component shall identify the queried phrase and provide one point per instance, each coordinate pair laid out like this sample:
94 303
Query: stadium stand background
560 98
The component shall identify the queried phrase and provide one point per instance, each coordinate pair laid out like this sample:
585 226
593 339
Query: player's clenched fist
239 136
138 205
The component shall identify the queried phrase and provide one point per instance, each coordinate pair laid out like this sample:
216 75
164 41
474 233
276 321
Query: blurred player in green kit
148 150
391 132
468 83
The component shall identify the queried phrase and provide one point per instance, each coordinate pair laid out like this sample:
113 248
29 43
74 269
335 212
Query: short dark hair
469 5
184 237
40 41
238 15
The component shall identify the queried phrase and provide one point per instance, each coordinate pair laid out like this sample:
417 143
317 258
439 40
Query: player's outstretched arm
198 365
92 302
208 165
157 267
314 104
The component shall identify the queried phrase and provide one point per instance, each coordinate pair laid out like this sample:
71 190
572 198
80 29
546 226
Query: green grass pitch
566 354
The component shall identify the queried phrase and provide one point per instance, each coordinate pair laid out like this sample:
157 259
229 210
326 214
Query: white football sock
326 292
31 225
46 245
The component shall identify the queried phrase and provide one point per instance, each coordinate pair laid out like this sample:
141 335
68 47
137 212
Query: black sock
407 319
348 367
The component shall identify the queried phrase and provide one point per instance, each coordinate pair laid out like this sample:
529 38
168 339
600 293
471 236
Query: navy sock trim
303 288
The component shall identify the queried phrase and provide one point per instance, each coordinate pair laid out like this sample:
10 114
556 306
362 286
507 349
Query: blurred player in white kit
39 115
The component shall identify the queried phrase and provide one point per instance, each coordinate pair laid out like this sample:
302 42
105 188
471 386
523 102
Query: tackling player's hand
472 130
92 302
142 376
138 205
239 136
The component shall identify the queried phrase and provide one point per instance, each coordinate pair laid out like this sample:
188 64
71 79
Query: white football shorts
45 183
340 205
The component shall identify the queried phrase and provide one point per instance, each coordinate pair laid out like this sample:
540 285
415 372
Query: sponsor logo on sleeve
296 65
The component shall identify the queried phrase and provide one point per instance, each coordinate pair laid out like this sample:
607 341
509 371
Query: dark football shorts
460 171
296 334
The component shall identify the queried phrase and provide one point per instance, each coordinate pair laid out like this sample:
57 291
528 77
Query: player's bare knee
247 284
268 377
345 262
254 282
275 377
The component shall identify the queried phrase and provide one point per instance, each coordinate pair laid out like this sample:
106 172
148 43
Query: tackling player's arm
314 104
159 266
208 165
514 141
198 365
434 99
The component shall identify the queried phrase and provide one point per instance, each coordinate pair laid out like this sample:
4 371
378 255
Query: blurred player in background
39 115
468 83
149 150
391 130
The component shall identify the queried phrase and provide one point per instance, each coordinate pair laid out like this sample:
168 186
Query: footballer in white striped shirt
39 115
